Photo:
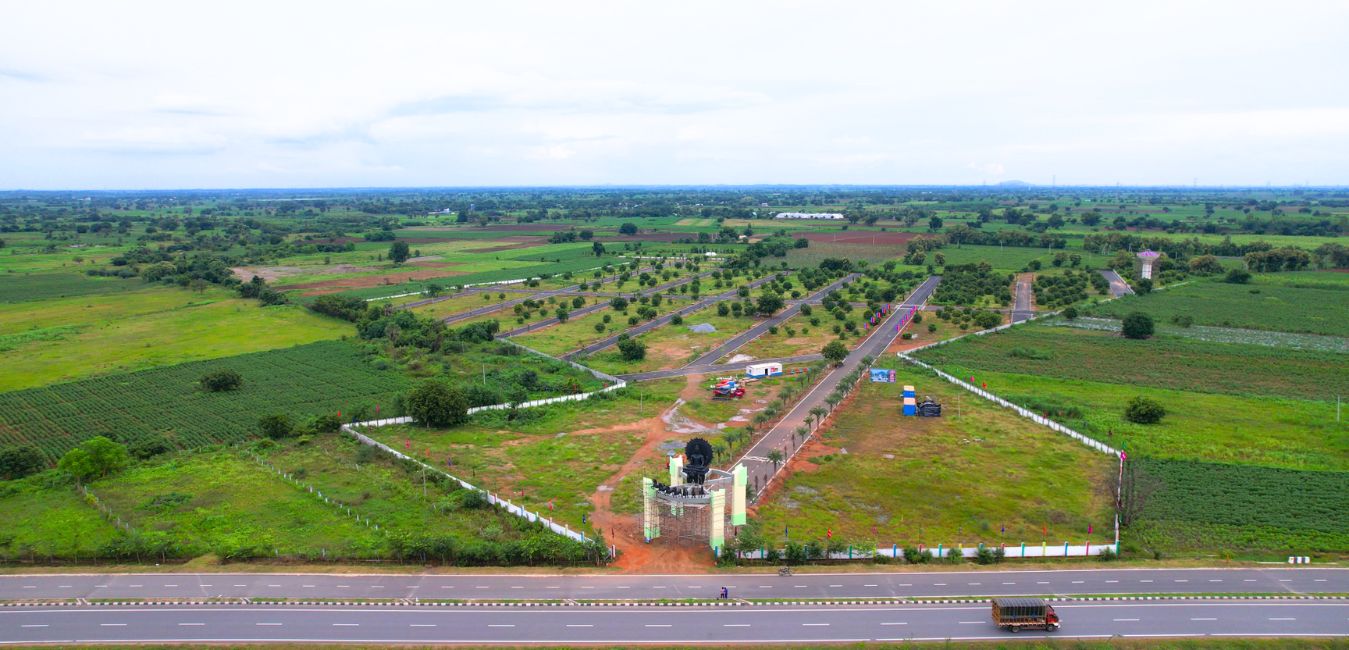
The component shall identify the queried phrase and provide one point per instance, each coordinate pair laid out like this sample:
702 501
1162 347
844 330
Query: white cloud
412 92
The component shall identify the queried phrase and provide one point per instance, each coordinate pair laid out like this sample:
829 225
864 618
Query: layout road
542 295
663 320
582 311
642 587
715 368
1022 309
567 625
782 437
759 328
1118 287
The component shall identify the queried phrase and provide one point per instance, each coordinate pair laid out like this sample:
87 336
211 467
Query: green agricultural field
42 286
672 346
1207 508
46 518
63 339
958 479
556 455
1270 302
319 378
1162 361
195 501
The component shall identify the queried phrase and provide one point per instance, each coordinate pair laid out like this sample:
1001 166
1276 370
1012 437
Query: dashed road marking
422 625
895 623
658 625
815 624
1282 618
1126 620
35 625
579 625
346 624
191 624
268 624
500 625
112 624
1203 619
735 624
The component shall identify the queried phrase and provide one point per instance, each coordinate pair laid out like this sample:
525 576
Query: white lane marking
1180 580
208 585
500 625
624 587
1285 580
974 584
1009 583
1203 619
579 625
69 587
170 585
1319 580
549 587
1249 580
376 586
799 586
135 585
695 586
481 587
422 625
815 624
124 624
735 624
971 622
1126 620
268 585
586 587
1111 581
100 586
344 586
658 587
1145 581
657 625
35 625
939 584
1078 582
191 624
1041 582
269 624
517 587
1215 579
906 584
1282 618
835 586
870 585
307 586
346 624
441 586
30 586
765 586
896 623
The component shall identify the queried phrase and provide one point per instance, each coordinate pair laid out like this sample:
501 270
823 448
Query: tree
835 352
631 349
434 403
618 304
94 458
221 380
1070 313
775 456
1238 276
276 426
627 229
18 462
801 242
562 314
597 248
398 252
1142 410
1137 325
769 303
934 224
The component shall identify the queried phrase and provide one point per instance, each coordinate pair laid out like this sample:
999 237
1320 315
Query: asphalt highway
645 587
577 625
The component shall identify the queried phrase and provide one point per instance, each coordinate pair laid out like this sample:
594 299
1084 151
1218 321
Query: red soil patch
367 281
869 238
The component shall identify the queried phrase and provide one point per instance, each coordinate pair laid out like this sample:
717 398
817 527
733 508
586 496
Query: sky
149 95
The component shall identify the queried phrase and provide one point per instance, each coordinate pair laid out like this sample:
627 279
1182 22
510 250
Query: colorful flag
829 533
1089 529
407 444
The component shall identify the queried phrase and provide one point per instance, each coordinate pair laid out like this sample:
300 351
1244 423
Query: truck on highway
1014 614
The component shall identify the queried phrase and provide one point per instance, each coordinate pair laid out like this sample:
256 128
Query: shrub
150 447
1238 276
276 426
914 556
1107 554
1070 313
835 352
329 423
434 403
989 555
18 462
221 380
631 349
94 458
1137 326
1144 411
677 320
1183 320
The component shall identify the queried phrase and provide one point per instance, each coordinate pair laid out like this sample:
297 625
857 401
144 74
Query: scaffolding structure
694 511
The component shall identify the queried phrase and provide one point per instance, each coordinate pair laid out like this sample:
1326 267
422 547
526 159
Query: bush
631 349
677 320
434 403
329 423
1238 276
150 447
221 380
914 556
94 458
1070 313
1107 555
276 426
989 555
1144 411
1137 326
18 462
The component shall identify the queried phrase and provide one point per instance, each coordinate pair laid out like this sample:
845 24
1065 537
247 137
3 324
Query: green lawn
41 286
47 518
949 480
1305 303
62 339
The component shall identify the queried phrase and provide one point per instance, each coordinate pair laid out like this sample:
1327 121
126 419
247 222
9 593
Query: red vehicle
1014 614
726 389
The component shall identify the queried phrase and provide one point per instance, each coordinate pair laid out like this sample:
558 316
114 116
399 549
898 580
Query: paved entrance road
563 626
782 437
1021 307
639 587
1118 287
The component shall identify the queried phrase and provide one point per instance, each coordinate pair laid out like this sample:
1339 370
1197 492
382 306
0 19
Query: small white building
829 216
771 369
1148 257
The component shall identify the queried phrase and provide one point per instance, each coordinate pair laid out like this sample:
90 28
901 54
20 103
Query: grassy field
324 377
458 304
1305 303
579 332
955 479
1206 508
63 339
672 346
797 336
1162 362
46 518
556 455
195 500
42 286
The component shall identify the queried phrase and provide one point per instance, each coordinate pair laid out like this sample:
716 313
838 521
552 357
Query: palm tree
819 412
802 433
776 457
